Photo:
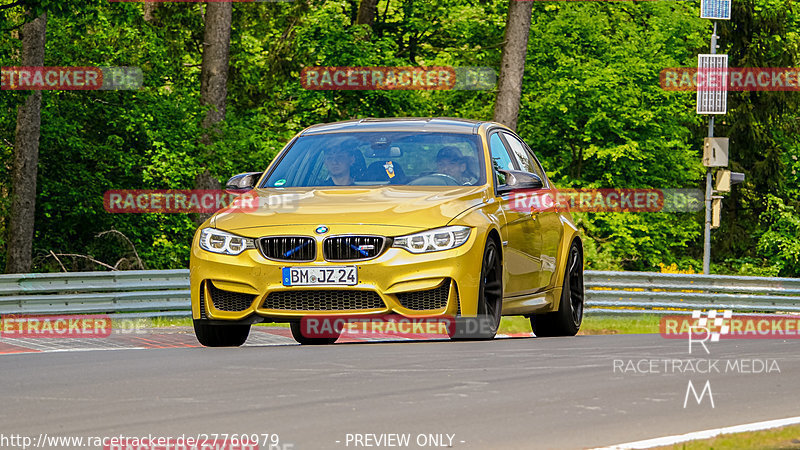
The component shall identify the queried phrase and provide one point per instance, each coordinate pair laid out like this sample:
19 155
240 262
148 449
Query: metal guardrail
134 291
166 293
664 293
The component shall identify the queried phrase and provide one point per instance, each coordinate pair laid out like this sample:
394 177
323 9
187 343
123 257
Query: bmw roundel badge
322 229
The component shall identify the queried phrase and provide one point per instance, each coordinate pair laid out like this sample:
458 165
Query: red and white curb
181 337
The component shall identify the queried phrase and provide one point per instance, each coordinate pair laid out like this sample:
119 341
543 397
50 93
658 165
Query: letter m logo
699 398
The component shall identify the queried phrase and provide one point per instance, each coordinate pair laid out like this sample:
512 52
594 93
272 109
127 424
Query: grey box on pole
712 84
716 212
715 152
726 179
723 181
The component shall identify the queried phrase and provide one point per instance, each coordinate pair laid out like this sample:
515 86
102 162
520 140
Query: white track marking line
706 434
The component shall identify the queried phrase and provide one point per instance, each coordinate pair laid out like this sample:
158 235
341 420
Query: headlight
434 240
216 241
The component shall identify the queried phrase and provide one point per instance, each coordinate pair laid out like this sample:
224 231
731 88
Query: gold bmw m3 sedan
418 217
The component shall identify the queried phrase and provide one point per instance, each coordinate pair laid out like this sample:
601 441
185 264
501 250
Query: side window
539 170
524 156
501 160
537 166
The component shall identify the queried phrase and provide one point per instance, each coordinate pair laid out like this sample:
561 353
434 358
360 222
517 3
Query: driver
339 163
450 162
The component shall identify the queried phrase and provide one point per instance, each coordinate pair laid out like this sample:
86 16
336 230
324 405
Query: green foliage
763 126
593 96
635 241
780 243
591 108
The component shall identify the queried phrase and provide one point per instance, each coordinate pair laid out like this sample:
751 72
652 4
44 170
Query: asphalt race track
508 393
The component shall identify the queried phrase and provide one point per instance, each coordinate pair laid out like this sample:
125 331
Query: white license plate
320 276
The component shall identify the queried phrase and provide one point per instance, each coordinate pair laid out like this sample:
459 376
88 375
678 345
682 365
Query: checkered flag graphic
716 328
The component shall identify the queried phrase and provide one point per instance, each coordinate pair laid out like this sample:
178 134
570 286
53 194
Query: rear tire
297 334
567 320
220 335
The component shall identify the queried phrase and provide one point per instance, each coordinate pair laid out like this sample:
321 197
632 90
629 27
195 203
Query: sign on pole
715 9
716 211
712 84
715 152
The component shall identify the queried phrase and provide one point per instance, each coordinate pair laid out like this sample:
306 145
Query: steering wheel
436 179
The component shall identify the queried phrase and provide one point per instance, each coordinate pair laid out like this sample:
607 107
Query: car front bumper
248 286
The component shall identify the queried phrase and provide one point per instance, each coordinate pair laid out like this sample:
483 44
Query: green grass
592 324
783 438
621 324
166 322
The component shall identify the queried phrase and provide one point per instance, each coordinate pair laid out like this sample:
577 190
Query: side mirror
517 179
242 183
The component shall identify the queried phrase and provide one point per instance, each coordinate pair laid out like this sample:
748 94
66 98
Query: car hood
409 207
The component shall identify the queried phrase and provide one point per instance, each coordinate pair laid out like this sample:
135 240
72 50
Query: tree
762 126
367 10
590 106
214 80
512 67
149 11
26 155
216 50
593 111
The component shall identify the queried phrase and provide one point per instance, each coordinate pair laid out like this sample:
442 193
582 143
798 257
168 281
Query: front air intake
426 300
324 300
229 301
352 248
288 248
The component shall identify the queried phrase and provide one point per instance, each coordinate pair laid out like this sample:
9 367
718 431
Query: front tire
567 320
297 334
220 335
490 300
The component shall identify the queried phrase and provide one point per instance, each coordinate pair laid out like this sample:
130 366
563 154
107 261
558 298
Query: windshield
379 159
